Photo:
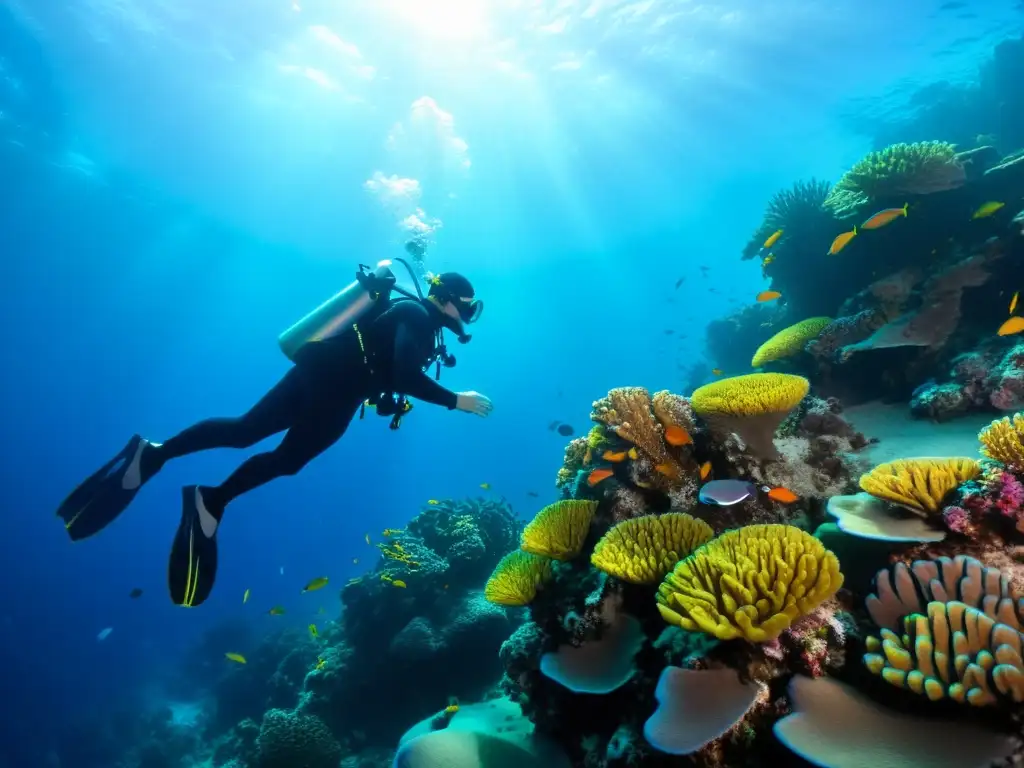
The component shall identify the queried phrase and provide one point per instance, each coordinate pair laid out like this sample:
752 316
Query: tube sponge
517 577
919 485
750 583
753 406
642 550
1002 440
559 530
789 341
955 652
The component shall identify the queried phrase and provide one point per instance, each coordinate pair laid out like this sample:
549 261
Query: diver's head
453 294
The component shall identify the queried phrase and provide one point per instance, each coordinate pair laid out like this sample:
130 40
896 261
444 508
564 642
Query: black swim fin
193 565
98 501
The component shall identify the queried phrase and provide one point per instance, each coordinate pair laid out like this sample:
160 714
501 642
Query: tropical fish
320 663
393 531
725 493
768 296
1011 326
367 537
841 241
717 371
485 486
1013 301
135 594
385 577
565 430
676 435
533 494
318 583
245 597
236 657
782 495
633 454
768 260
313 631
104 634
986 210
679 282
451 709
398 547
666 469
705 470
614 456
398 583
883 217
773 238
277 610
433 502
598 475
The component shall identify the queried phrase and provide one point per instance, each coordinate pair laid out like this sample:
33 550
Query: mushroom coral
642 550
560 529
753 583
789 341
753 406
920 484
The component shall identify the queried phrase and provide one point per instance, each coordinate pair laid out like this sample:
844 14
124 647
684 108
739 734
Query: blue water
181 180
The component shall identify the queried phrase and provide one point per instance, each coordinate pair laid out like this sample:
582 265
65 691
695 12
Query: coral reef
790 341
919 485
796 211
643 550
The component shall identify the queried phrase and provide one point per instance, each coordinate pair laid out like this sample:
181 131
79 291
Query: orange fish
882 218
782 495
773 238
1011 326
676 435
614 456
768 296
1013 301
705 470
666 469
597 475
841 242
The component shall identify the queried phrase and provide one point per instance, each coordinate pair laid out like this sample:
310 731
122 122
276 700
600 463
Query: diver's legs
276 411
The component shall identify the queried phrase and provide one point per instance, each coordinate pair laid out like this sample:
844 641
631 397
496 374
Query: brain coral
289 739
642 550
789 341
752 583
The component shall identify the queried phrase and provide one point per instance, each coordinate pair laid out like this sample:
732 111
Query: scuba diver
360 348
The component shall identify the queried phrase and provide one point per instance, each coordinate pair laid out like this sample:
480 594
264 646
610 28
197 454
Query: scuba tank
338 313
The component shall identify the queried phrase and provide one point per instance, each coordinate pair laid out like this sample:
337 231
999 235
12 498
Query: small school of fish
1015 324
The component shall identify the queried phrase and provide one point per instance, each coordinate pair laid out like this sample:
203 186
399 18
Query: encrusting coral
750 583
643 550
919 484
559 530
955 652
789 341
753 406
1002 440
517 578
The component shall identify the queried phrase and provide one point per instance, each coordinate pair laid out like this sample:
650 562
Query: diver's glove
474 402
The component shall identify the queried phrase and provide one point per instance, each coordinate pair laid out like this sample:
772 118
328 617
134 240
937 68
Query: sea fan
792 210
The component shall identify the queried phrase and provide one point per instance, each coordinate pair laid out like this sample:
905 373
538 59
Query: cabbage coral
750 583
1003 440
921 484
753 406
559 530
955 652
789 341
517 578
642 550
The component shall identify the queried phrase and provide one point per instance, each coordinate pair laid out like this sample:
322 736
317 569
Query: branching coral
900 169
752 406
517 578
559 530
1003 440
921 484
789 341
955 652
672 410
633 415
794 211
644 549
751 583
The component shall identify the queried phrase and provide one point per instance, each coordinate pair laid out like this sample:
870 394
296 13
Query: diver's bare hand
474 402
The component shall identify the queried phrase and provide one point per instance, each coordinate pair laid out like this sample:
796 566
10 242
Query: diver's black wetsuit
317 398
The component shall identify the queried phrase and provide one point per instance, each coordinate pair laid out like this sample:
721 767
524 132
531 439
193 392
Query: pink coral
958 520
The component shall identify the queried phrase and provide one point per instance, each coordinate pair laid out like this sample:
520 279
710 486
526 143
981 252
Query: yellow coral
1003 440
559 529
517 578
752 406
753 583
956 651
921 484
789 341
642 550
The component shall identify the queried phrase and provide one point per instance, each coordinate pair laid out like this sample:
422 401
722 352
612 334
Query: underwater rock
288 739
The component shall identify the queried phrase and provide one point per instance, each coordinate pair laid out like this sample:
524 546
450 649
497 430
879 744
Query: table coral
517 578
560 529
750 583
789 341
921 484
644 549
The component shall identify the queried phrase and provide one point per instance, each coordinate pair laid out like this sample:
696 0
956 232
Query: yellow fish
773 238
632 453
717 371
385 577
245 597
398 547
451 709
320 663
393 531
277 610
986 210
705 470
433 502
768 296
485 486
237 657
1013 301
313 631
768 260
882 218
841 241
318 583
398 583
367 537
1011 326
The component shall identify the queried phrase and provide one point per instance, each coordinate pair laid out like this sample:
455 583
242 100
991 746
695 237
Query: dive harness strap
399 405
